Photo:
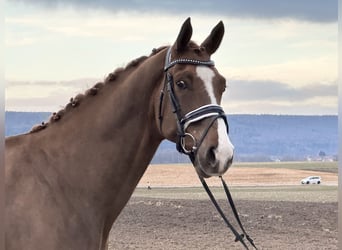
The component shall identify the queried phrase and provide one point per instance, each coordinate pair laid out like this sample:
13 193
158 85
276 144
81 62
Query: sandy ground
184 175
168 223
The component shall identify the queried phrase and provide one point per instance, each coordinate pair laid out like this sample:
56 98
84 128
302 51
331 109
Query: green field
331 167
307 193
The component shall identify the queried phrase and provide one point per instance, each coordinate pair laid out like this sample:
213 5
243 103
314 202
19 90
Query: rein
238 237
212 111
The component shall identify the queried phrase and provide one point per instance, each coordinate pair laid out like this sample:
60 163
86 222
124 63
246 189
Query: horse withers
68 179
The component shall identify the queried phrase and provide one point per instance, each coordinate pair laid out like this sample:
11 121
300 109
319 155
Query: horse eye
181 84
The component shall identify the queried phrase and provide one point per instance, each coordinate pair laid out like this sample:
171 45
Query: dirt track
194 224
184 175
157 223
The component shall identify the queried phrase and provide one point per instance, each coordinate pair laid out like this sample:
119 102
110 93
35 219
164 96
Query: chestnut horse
68 179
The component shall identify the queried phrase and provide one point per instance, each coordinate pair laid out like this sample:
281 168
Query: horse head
191 116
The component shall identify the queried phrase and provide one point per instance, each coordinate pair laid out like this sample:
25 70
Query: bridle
212 111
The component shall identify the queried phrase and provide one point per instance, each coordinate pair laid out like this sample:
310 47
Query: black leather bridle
212 111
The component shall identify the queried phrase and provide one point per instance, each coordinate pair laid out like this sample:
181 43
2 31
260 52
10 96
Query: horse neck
104 147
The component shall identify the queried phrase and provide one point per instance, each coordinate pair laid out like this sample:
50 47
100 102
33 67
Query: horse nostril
211 156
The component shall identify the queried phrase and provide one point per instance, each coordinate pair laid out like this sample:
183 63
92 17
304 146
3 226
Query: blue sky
279 57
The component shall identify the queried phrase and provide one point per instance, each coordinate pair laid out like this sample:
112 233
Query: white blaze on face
225 149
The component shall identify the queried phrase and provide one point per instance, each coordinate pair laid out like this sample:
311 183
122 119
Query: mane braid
77 100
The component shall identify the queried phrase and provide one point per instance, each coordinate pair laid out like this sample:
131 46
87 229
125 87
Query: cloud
327 107
296 70
44 95
75 83
273 97
242 96
258 90
306 10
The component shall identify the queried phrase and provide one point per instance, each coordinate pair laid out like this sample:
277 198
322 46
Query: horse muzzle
210 149
216 153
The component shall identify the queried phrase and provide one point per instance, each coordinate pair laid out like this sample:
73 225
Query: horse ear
184 35
213 41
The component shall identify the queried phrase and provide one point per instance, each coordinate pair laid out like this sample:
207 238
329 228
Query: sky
279 57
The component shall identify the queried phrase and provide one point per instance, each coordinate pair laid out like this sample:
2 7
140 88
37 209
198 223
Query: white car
311 180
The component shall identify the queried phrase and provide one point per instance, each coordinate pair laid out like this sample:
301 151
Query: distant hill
22 122
255 137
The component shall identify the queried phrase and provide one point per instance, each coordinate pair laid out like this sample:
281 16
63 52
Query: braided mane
93 91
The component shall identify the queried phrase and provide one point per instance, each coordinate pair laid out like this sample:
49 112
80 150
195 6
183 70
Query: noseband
183 122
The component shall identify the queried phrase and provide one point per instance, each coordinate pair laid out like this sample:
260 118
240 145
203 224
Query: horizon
254 136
